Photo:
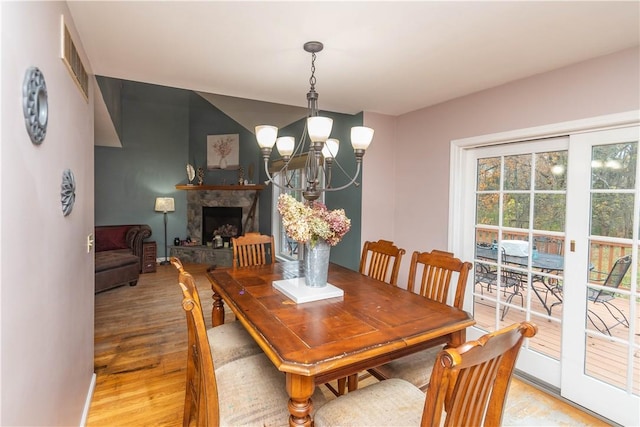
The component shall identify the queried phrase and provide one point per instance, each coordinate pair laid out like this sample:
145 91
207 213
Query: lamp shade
165 204
319 128
266 135
285 145
330 148
361 137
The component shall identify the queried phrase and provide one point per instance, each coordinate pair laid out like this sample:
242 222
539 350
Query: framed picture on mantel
223 151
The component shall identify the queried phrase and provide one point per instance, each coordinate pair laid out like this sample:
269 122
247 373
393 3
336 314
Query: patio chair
468 387
605 297
510 281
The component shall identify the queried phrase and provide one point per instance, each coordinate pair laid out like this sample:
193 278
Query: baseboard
87 402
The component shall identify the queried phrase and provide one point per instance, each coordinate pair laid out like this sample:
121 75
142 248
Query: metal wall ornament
67 191
35 105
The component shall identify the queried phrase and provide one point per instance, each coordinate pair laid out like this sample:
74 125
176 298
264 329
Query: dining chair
430 275
606 296
253 249
246 391
376 259
468 387
233 340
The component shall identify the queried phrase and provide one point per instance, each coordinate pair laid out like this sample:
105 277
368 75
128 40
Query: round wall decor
35 105
68 191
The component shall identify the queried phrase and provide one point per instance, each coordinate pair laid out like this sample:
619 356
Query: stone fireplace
239 202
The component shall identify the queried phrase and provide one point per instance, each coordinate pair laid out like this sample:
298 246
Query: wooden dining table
320 341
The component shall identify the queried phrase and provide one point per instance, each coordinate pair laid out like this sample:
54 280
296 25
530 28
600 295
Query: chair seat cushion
252 392
415 368
388 403
230 342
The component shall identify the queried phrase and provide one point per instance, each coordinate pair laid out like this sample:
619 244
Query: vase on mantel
316 263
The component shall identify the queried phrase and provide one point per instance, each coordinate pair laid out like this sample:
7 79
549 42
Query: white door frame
461 233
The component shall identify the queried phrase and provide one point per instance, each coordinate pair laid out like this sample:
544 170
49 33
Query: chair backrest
376 258
619 269
177 263
201 400
186 279
435 270
613 280
469 383
253 249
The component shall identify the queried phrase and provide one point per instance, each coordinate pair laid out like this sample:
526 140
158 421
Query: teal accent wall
155 128
163 129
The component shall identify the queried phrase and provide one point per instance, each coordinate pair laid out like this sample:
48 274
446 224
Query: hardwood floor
140 359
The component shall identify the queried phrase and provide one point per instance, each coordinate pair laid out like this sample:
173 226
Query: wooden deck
606 359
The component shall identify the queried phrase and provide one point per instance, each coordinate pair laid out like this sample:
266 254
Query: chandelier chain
312 79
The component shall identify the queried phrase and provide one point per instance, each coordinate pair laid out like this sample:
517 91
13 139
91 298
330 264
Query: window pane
489 174
612 215
517 172
516 210
549 212
551 170
613 166
487 209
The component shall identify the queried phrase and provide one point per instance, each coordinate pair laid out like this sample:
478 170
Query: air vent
70 57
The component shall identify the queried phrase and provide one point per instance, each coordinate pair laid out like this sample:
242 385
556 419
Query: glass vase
316 263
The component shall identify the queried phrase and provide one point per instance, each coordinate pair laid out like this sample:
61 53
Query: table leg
217 313
300 390
457 339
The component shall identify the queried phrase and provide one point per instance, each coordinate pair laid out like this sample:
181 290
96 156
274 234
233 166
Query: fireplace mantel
256 187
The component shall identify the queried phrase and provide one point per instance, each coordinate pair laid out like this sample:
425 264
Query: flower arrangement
309 222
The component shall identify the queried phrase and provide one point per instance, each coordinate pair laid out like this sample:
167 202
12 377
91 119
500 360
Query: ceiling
386 57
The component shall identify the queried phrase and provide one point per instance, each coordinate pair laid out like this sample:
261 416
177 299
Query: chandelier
322 150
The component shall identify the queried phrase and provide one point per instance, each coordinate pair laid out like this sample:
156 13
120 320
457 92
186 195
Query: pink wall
378 172
421 141
46 273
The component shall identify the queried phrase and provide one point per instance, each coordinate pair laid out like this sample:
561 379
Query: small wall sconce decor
67 191
35 105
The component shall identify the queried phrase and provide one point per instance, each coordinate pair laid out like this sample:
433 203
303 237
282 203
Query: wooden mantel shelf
257 187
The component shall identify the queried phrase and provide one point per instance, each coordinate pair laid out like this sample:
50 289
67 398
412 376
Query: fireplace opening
225 221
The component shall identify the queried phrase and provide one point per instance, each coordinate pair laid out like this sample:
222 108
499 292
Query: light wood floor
140 358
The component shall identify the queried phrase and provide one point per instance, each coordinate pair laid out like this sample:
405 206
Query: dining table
318 341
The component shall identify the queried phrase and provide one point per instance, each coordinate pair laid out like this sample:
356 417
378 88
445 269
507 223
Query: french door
601 339
519 229
545 221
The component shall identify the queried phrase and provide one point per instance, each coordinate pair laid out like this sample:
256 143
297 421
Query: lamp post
164 205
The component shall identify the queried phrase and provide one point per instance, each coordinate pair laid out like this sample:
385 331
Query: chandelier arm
273 181
353 181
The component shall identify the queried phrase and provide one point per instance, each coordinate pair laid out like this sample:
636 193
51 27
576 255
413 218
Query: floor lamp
165 204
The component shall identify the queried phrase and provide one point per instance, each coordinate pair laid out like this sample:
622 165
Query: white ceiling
387 57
